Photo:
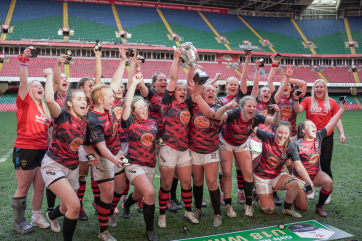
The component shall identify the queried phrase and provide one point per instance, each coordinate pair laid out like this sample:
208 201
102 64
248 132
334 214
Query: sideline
6 156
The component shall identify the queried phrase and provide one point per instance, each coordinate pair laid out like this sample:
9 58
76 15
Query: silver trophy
188 56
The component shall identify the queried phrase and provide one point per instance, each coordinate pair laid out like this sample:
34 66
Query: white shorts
133 171
224 146
265 186
294 138
52 171
106 170
82 154
255 146
300 182
124 148
202 159
171 158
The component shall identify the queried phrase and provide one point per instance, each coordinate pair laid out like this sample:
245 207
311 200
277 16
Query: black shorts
27 159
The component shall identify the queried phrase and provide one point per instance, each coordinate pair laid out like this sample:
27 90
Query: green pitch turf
344 211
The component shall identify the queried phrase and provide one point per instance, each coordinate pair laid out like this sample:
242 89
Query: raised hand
137 79
122 52
289 71
231 105
47 72
274 60
257 64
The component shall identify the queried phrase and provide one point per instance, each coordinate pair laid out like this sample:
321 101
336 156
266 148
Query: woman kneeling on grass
269 173
309 148
141 133
60 164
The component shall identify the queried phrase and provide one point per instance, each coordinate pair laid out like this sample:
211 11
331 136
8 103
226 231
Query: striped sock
163 197
239 177
125 192
103 215
187 198
116 198
96 191
323 196
81 191
220 181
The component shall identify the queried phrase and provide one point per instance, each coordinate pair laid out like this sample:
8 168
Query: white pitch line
344 144
6 156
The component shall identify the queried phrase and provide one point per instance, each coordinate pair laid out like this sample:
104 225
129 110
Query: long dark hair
301 126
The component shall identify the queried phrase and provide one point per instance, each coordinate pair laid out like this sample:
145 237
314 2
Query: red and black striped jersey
272 162
286 105
262 108
155 108
89 102
175 119
309 153
103 127
203 132
226 99
117 108
236 131
141 135
59 98
68 134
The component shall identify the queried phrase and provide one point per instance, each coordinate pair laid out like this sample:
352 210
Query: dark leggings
326 154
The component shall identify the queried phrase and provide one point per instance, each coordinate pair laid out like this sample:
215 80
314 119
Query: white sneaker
230 211
189 216
106 236
249 210
162 221
291 212
311 196
39 222
54 224
328 199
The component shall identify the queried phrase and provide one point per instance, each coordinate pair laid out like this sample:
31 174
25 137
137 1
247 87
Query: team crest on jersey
286 110
240 136
75 144
147 139
202 122
314 159
273 161
118 112
184 116
264 112
23 163
115 128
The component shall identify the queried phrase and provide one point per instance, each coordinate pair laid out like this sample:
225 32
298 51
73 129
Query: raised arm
129 96
297 107
273 120
174 70
190 79
98 69
212 82
23 88
131 67
197 98
58 72
288 75
272 73
244 76
53 106
220 113
255 90
336 118
143 88
117 77
301 84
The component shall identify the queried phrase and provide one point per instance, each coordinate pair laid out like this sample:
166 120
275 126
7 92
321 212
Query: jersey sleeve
149 96
305 102
240 94
293 152
233 114
190 104
63 117
263 135
258 119
167 97
126 123
272 100
321 134
20 102
95 129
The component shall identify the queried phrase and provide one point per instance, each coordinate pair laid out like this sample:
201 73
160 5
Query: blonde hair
98 91
314 101
207 85
45 111
243 101
135 99
227 82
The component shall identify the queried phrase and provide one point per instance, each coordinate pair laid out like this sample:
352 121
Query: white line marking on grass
344 144
6 156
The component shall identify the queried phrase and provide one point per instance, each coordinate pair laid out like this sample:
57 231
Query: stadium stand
4 7
338 75
92 21
8 100
190 26
33 22
328 35
351 103
144 24
355 25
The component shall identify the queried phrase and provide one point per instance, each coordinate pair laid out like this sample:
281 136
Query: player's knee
198 181
73 206
150 194
227 175
211 184
269 210
329 184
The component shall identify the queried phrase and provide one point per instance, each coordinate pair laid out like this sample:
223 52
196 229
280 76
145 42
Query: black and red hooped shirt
155 108
226 99
103 127
60 98
203 132
141 135
262 108
236 131
286 105
68 134
309 153
117 109
175 119
272 162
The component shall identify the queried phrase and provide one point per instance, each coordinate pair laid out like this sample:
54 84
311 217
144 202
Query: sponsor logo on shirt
202 122
313 159
184 117
42 119
147 139
273 161
286 111
118 112
75 143
115 127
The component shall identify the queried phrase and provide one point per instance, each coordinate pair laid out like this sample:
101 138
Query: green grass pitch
344 211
